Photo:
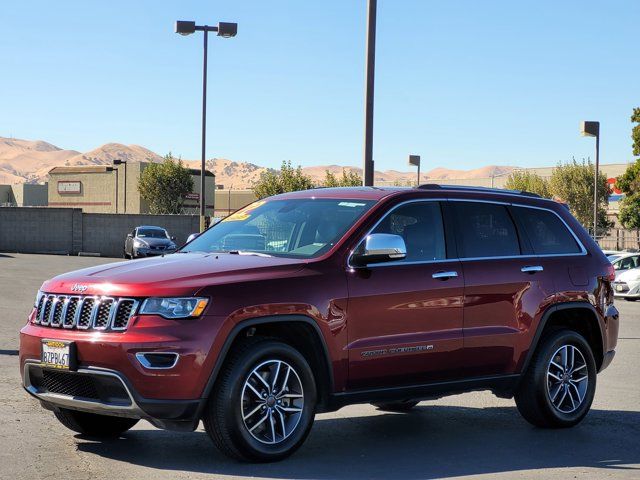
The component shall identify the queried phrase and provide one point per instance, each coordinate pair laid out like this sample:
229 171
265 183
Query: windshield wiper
245 252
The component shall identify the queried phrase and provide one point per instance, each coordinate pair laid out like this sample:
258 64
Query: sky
463 83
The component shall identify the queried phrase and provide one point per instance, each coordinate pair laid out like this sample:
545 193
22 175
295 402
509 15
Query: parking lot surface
474 435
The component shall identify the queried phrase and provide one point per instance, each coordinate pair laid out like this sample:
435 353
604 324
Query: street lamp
123 162
592 129
224 30
415 161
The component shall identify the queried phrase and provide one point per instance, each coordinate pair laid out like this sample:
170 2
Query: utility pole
368 168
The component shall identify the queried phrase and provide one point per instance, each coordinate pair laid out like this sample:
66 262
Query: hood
177 274
155 242
632 275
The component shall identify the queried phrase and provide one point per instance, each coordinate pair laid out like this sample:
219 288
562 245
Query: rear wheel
400 407
558 388
93 424
263 405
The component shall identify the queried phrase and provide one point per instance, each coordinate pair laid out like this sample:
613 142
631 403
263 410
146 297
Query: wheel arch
571 315
297 330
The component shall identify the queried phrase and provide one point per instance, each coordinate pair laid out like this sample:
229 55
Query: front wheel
558 387
263 405
94 425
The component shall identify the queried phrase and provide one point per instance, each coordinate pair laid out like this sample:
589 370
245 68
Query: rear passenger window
484 230
420 225
546 232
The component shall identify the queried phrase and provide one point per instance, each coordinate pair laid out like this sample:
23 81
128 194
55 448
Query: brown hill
30 161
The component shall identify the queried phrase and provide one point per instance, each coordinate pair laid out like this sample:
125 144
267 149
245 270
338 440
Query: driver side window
420 226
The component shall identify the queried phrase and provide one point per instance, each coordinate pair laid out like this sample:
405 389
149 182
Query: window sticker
351 204
244 213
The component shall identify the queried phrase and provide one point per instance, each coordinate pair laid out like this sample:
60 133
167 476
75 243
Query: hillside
30 160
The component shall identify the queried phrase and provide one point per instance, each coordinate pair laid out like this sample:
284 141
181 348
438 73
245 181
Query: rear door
505 285
405 317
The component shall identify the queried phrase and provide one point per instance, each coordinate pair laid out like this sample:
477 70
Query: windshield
302 228
152 233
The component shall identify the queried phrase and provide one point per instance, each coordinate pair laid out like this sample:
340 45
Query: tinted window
484 230
546 232
420 225
152 233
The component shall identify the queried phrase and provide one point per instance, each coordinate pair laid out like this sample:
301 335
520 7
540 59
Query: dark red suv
309 301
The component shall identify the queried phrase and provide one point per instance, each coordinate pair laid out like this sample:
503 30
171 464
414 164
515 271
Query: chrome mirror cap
377 248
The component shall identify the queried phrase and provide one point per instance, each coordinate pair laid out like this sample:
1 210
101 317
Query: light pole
370 69
224 30
592 129
415 161
123 162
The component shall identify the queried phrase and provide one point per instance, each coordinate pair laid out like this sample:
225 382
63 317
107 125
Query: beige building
111 189
24 195
114 189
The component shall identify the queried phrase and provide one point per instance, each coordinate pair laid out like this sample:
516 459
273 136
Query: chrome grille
85 312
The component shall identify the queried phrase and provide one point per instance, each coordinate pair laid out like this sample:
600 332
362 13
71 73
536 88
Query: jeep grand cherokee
308 301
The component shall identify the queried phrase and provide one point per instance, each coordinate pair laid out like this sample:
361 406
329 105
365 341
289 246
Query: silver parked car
147 241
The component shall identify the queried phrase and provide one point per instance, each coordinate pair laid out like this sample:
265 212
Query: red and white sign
612 186
74 186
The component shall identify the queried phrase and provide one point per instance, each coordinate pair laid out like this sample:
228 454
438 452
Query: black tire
533 396
125 256
94 425
399 407
223 417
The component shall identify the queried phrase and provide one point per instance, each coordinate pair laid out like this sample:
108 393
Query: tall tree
348 179
528 182
287 179
635 131
573 183
164 185
629 183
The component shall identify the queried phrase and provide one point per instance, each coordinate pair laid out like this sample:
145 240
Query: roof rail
437 186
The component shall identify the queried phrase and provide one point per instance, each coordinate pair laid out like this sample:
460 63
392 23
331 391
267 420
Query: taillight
611 273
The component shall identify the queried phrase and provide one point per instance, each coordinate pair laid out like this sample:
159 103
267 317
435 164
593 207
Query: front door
405 317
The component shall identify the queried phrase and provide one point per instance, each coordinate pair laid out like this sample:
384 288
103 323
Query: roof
378 193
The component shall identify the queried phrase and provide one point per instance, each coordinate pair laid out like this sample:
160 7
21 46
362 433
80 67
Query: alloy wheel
567 379
272 401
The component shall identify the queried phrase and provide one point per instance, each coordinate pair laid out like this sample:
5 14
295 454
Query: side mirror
173 238
192 237
378 248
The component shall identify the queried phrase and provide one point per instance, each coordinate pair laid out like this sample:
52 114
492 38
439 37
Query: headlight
37 300
140 243
184 307
172 245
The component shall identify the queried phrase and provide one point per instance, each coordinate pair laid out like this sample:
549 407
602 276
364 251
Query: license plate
57 354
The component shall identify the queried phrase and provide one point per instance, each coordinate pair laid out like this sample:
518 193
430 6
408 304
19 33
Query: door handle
444 275
532 269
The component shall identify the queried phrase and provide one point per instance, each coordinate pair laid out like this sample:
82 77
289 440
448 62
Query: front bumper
105 392
149 252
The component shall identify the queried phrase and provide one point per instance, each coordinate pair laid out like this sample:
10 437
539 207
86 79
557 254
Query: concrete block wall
105 233
37 230
70 231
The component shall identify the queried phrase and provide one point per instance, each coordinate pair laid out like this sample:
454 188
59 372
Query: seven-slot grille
85 312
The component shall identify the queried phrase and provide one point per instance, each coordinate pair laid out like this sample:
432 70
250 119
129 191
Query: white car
624 261
627 284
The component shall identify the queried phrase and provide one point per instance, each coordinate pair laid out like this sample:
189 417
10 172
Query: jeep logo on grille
79 288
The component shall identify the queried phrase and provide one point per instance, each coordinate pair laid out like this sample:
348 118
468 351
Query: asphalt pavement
474 435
